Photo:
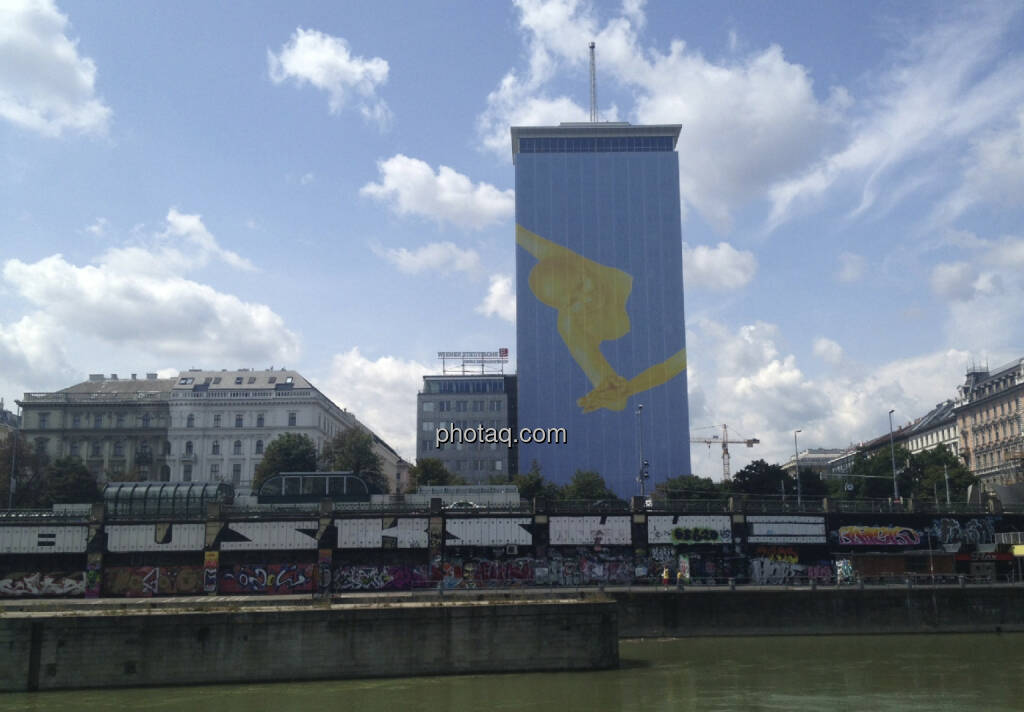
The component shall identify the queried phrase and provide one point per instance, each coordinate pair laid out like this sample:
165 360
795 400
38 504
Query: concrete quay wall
824 611
81 648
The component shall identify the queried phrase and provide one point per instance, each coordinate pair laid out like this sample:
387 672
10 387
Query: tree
761 478
352 451
690 487
928 472
872 475
69 482
30 468
812 484
290 452
532 485
586 484
430 471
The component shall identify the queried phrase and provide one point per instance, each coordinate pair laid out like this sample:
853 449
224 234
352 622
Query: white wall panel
271 535
786 530
589 531
486 531
43 540
409 533
697 529
144 537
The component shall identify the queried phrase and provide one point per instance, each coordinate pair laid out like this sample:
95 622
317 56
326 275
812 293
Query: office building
599 301
990 419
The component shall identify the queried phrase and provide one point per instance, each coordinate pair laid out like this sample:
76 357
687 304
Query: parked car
462 506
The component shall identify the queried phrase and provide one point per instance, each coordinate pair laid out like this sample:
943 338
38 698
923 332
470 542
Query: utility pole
796 455
892 453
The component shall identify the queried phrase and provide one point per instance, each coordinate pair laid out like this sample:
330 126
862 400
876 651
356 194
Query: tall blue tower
601 340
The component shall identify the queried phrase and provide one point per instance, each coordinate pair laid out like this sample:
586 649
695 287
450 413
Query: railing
583 506
8 515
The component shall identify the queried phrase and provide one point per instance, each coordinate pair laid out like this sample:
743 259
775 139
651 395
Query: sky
329 187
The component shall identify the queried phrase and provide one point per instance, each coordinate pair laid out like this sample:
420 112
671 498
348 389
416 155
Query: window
460 406
144 448
252 380
216 380
216 420
291 419
238 421
119 449
259 447
146 420
207 380
214 472
186 472
190 421
120 420
428 407
236 474
185 381
259 420
236 449
428 426
289 380
216 448
97 449
188 448
167 447
74 452
76 421
272 379
444 406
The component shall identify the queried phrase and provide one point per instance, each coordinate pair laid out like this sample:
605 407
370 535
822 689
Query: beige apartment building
990 420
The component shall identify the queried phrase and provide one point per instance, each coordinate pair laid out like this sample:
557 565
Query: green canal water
895 672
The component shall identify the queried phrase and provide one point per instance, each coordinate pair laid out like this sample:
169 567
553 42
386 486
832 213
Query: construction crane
751 442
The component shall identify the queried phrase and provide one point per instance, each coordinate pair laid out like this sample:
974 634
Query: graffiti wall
593 531
868 535
715 529
918 530
383 533
266 578
19 585
161 536
380 578
152 580
781 565
785 530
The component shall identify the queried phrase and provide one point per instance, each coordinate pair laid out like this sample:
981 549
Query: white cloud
746 124
327 63
742 378
721 267
98 228
45 86
382 393
306 179
954 280
500 300
948 84
411 187
828 351
435 258
851 267
138 298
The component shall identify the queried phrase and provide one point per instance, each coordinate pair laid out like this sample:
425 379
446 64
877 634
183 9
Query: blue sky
328 187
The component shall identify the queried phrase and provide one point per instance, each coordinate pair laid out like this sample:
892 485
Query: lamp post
892 454
796 456
642 476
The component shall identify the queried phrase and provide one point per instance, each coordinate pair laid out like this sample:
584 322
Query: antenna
593 86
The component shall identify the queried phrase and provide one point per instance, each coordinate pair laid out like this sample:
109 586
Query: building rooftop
598 136
197 379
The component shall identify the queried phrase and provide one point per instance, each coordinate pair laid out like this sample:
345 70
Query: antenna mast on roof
593 86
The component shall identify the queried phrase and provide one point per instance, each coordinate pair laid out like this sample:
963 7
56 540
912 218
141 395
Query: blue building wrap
599 314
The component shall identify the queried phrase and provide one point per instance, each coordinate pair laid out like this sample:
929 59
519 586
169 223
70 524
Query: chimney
113 377
134 377
95 376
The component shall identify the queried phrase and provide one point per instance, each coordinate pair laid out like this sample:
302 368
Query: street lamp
796 456
892 454
642 476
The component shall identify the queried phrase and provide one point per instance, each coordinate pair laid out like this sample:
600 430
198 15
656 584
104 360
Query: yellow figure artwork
591 303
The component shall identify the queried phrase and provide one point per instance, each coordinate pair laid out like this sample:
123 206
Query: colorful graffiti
268 578
951 531
777 553
844 571
16 585
858 535
152 580
783 571
211 565
380 578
